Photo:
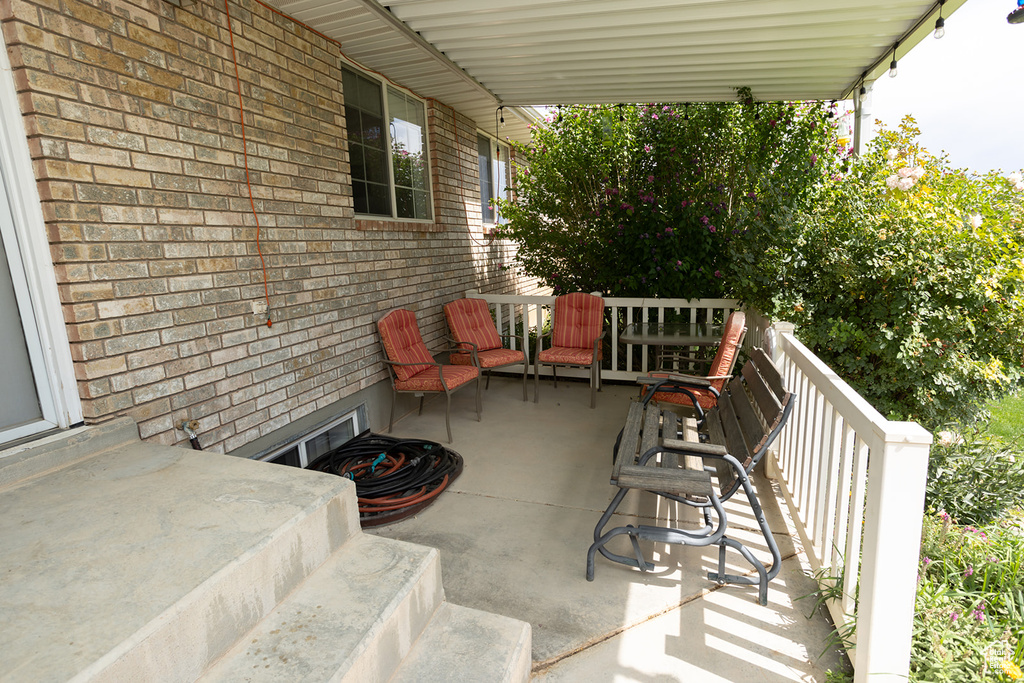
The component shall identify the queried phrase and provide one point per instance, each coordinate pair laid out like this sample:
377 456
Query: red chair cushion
579 319
491 358
470 321
705 398
727 348
403 344
567 356
430 379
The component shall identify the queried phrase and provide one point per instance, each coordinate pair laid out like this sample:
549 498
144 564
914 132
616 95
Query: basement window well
306 439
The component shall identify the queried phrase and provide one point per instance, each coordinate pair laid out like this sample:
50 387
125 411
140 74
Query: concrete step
146 562
462 644
354 619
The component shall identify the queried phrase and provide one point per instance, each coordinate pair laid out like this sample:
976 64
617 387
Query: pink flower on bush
718 273
654 116
647 148
712 228
650 179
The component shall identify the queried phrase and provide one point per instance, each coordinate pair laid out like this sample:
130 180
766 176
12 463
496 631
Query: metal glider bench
699 463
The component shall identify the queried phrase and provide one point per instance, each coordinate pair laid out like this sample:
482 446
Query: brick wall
133 121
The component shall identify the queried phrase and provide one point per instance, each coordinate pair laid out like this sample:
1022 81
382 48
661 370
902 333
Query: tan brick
121 176
96 154
123 307
100 57
101 367
144 89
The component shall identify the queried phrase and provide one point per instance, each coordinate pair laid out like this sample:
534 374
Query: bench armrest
691 381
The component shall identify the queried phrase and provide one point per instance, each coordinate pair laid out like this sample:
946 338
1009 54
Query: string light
940 23
1017 15
892 64
621 117
686 113
863 88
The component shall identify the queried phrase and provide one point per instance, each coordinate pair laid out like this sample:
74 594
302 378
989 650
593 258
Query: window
306 449
390 170
495 176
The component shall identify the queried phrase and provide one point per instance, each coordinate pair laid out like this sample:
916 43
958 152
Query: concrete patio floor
514 529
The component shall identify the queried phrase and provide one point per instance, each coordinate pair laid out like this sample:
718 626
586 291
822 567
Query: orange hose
245 156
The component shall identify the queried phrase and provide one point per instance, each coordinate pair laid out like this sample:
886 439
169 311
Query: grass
1008 418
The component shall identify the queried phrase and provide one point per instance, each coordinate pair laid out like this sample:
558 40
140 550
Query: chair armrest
395 363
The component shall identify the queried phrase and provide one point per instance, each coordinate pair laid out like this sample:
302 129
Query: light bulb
940 28
892 69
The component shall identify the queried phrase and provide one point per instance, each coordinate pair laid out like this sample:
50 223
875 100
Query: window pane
364 122
355 157
404 203
407 125
325 442
422 199
503 176
378 199
483 147
359 196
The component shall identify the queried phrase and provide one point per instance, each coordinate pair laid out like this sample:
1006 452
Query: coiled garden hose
395 478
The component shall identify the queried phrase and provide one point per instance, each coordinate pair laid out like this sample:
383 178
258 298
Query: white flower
905 183
905 172
892 181
917 173
1017 180
891 154
976 221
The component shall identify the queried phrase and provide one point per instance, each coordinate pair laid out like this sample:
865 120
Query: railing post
894 514
775 346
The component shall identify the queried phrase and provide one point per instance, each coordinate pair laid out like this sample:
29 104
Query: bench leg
764 576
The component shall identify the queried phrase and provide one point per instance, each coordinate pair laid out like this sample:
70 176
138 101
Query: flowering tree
646 200
905 276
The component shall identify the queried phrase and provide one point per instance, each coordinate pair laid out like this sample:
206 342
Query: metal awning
476 55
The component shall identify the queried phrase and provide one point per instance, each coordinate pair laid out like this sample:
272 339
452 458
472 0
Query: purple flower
969 571
953 616
927 561
752 195
647 148
705 220
711 228
679 263
668 231
650 179
814 159
654 116
718 273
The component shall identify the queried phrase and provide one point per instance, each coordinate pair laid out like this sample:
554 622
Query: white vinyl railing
854 481
525 315
855 485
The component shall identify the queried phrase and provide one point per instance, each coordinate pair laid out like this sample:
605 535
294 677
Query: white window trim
45 328
384 85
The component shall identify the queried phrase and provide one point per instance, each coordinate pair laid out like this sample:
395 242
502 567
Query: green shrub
974 477
644 200
905 276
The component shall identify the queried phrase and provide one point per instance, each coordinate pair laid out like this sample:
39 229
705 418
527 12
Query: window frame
383 87
494 163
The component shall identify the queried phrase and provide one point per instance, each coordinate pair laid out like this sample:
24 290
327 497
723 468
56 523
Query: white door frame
32 270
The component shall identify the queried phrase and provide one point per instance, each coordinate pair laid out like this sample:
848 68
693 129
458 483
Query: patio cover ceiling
475 55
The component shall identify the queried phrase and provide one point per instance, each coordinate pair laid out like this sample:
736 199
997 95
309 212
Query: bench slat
669 430
750 425
651 432
675 481
767 402
630 438
768 370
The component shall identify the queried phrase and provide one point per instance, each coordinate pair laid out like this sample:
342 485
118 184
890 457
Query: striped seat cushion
402 342
567 356
579 319
705 398
490 358
470 321
430 378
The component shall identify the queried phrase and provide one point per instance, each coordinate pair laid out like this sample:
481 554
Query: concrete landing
143 554
514 529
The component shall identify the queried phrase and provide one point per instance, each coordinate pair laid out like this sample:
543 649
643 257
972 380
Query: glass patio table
673 342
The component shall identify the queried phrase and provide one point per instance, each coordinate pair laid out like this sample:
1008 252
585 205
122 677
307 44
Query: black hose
394 478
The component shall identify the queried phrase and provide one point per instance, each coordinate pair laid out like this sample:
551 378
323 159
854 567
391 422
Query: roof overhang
476 56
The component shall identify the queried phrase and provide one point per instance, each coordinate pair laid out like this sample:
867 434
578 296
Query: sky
966 90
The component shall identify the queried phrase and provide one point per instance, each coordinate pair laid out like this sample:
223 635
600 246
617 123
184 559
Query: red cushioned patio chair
414 371
576 334
701 392
472 330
